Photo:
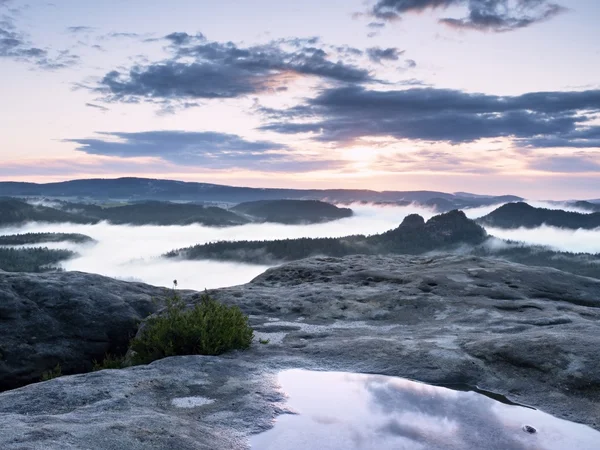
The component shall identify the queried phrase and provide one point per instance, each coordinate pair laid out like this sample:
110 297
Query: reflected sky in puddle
335 410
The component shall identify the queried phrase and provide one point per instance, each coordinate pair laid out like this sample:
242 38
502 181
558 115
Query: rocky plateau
529 333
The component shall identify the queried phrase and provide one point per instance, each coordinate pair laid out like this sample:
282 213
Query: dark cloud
483 15
345 114
210 150
376 25
204 149
184 38
581 138
347 51
377 54
224 70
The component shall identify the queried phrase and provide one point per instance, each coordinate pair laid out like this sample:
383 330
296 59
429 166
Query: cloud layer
482 15
346 114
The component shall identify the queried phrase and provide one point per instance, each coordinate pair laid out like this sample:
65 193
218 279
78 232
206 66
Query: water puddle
334 410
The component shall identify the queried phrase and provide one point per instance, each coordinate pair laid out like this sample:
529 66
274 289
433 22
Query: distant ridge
154 189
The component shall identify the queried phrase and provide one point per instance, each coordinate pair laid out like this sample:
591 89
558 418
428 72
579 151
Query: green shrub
209 328
109 362
50 374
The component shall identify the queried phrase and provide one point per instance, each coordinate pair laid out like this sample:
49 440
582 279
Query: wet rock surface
529 333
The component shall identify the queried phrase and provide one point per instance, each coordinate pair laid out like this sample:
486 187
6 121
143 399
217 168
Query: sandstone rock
529 333
68 319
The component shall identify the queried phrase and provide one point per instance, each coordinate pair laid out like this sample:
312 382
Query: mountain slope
516 215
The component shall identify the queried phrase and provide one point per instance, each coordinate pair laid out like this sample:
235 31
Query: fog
134 252
584 241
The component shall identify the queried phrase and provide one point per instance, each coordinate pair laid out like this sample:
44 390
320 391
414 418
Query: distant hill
16 212
589 206
413 236
292 211
163 213
44 238
32 259
516 215
169 190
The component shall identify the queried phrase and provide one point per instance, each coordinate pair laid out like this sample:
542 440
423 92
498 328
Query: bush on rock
209 328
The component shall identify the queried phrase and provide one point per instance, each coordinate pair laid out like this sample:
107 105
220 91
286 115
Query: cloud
80 29
345 114
100 107
377 54
121 35
581 138
567 164
184 38
213 70
483 15
175 146
15 45
210 150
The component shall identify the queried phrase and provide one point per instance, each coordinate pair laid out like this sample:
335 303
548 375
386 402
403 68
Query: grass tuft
51 374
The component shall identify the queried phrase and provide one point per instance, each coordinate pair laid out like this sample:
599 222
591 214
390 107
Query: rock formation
66 318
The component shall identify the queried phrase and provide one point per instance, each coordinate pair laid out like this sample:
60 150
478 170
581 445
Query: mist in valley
134 252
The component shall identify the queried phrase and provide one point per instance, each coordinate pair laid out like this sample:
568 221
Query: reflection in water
336 410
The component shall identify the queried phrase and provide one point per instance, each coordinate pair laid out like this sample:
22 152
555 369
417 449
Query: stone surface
529 333
67 318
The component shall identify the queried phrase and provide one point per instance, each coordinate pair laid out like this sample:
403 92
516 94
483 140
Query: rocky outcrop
529 333
443 231
68 319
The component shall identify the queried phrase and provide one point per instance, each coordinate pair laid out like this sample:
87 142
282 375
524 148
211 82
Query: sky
484 96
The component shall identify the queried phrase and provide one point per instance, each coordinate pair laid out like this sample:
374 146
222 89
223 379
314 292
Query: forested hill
16 212
32 259
450 232
292 211
413 236
516 215
44 238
